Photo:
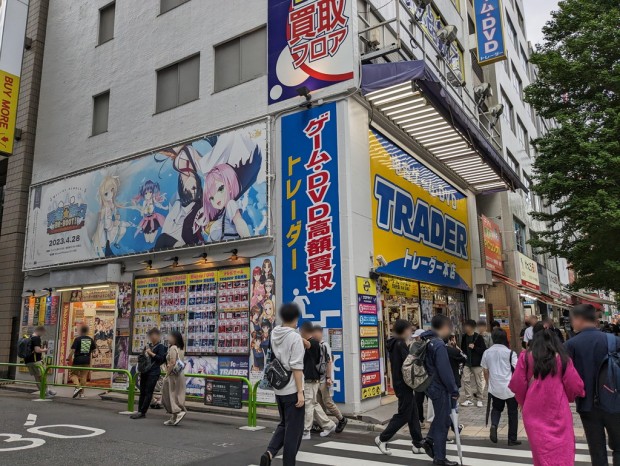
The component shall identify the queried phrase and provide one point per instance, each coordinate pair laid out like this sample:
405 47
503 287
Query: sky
537 13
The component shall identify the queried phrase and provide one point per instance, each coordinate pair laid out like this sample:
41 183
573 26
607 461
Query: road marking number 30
25 443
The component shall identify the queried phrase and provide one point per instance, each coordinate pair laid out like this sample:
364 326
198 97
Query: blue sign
371 366
489 31
369 320
310 224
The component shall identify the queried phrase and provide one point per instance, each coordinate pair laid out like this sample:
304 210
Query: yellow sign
9 91
366 286
369 332
369 392
421 229
396 287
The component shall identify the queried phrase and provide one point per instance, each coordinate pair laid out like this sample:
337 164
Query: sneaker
306 435
325 433
342 423
479 404
417 448
382 446
169 422
316 429
493 434
265 460
467 403
76 392
137 415
179 417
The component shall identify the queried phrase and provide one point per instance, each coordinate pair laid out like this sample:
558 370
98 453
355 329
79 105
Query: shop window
520 239
240 60
167 5
106 23
178 84
101 108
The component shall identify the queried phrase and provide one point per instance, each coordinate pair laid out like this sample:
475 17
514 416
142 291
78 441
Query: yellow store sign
9 91
420 225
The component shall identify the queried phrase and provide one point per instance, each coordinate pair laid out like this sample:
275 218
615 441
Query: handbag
178 368
276 374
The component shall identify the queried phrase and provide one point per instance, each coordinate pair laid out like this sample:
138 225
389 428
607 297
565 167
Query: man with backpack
32 350
326 371
597 359
149 365
79 356
407 413
474 347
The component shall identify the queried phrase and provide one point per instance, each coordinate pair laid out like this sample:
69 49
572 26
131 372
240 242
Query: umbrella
489 401
454 415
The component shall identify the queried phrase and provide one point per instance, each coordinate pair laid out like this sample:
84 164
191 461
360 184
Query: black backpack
275 373
145 362
24 347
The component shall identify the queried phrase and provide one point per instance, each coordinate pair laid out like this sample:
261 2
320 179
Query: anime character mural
110 228
258 288
151 197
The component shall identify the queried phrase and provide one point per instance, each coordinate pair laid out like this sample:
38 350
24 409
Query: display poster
426 305
368 321
123 300
310 222
202 312
121 361
224 393
64 333
102 329
262 318
310 45
172 304
34 305
233 318
420 226
492 242
195 386
146 311
528 271
489 31
209 190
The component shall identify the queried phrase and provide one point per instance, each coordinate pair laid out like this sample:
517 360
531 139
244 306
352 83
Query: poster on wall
311 44
202 312
310 223
492 242
233 318
369 346
172 304
102 327
420 228
146 311
208 190
195 386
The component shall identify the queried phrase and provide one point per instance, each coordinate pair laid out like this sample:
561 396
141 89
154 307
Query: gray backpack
415 374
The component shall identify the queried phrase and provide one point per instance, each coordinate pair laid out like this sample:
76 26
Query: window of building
516 82
471 25
167 5
178 84
524 61
506 65
520 19
520 238
511 31
508 114
512 162
240 60
101 108
106 23
529 195
477 69
522 136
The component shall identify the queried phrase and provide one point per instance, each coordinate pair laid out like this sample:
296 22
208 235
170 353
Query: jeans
595 424
314 412
438 433
475 386
288 433
407 414
148 382
513 415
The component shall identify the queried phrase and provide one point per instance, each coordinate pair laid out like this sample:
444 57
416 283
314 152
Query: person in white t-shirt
529 332
499 362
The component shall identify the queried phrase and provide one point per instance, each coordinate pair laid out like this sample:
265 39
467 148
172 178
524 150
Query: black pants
289 431
407 414
419 401
147 387
595 423
513 415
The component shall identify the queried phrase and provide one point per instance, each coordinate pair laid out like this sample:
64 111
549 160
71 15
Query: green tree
577 170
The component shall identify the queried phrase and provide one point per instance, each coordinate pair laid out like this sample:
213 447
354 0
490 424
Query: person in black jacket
473 346
148 380
550 325
407 408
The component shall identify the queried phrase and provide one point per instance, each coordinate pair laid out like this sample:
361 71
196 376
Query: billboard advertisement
420 225
310 45
489 31
492 243
310 223
528 271
208 190
555 289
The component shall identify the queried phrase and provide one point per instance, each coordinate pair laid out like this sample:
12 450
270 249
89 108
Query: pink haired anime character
152 221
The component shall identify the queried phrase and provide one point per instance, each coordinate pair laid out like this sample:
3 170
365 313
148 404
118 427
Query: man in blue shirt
588 349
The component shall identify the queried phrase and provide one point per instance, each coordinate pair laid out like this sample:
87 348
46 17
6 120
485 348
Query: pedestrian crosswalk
364 453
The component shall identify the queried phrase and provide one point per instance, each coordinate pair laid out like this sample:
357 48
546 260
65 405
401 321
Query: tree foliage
577 170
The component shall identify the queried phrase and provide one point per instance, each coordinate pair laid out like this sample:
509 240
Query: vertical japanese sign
310 224
310 45
369 345
489 31
528 271
492 241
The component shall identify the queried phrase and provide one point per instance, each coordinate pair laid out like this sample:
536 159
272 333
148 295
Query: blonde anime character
110 228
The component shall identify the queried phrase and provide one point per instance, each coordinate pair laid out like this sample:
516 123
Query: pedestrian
484 332
473 345
327 373
442 391
288 348
419 396
526 325
551 326
79 356
34 362
407 413
173 389
154 355
544 383
499 362
495 324
312 382
457 362
529 332
588 349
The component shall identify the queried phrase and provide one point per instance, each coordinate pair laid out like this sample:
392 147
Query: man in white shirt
529 332
499 363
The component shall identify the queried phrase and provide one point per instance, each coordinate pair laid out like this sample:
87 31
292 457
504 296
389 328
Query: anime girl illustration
267 271
151 197
225 184
258 289
110 228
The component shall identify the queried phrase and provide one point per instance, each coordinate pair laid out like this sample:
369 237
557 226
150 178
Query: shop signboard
372 378
369 320
371 366
224 393
555 289
492 239
402 288
369 332
310 222
366 343
420 226
489 31
369 324
528 271
369 354
310 45
205 191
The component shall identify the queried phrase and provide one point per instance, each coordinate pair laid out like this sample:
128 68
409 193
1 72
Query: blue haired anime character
151 197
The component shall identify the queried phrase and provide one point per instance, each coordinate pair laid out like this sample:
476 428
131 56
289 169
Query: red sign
492 240
372 378
369 354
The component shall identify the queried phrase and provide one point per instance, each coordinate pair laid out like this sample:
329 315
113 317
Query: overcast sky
537 13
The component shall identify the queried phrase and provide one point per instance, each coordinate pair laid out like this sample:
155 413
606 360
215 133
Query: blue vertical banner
489 31
311 261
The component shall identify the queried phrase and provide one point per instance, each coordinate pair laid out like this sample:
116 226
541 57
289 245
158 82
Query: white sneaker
178 417
325 433
479 404
382 446
306 436
467 403
417 450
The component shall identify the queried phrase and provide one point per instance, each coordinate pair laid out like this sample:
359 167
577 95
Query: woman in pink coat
544 383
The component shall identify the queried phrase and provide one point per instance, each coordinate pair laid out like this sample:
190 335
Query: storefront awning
410 95
591 299
534 293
